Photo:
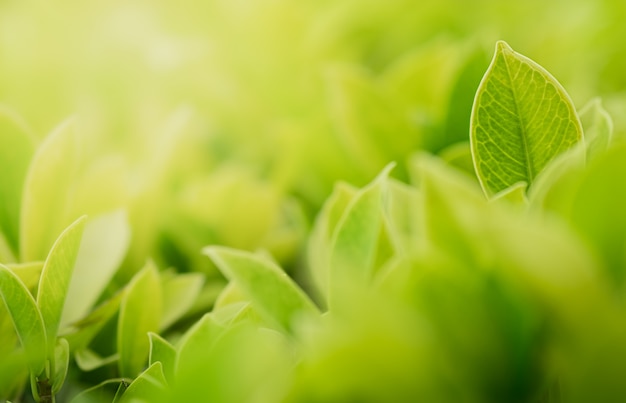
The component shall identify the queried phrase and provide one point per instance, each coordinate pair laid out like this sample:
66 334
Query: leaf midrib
528 163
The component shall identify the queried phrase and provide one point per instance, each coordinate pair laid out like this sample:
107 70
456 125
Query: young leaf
273 293
521 119
353 246
103 246
162 351
61 362
140 313
16 150
26 318
45 201
55 277
88 360
179 294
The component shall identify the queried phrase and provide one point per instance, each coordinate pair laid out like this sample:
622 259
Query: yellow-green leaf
16 151
276 296
56 275
46 203
140 313
162 351
26 318
521 119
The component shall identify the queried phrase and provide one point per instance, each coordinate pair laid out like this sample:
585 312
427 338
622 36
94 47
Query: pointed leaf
354 242
522 118
179 294
103 246
273 293
200 337
162 351
56 275
29 273
61 363
16 151
26 318
140 313
45 202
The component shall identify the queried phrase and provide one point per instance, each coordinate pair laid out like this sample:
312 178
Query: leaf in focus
46 201
140 313
103 246
56 275
179 294
162 351
16 151
354 242
26 317
273 293
597 127
61 363
522 118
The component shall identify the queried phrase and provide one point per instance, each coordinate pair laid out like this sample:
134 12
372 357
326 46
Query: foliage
346 212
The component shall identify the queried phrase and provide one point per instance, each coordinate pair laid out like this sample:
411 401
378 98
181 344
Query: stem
45 391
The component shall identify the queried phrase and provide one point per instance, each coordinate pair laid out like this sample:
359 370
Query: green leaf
80 333
88 360
162 351
103 246
276 296
45 204
179 294
140 313
56 275
61 363
26 318
103 392
522 118
147 386
355 239
318 248
16 151
29 273
199 338
597 126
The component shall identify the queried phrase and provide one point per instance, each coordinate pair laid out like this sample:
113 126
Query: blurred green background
235 118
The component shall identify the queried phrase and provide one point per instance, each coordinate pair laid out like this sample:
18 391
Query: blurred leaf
103 246
598 210
199 338
270 289
366 120
16 151
516 194
55 277
61 363
26 317
459 155
79 334
29 273
522 118
140 313
318 248
354 242
46 202
87 360
147 386
162 351
179 294
597 127
103 392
